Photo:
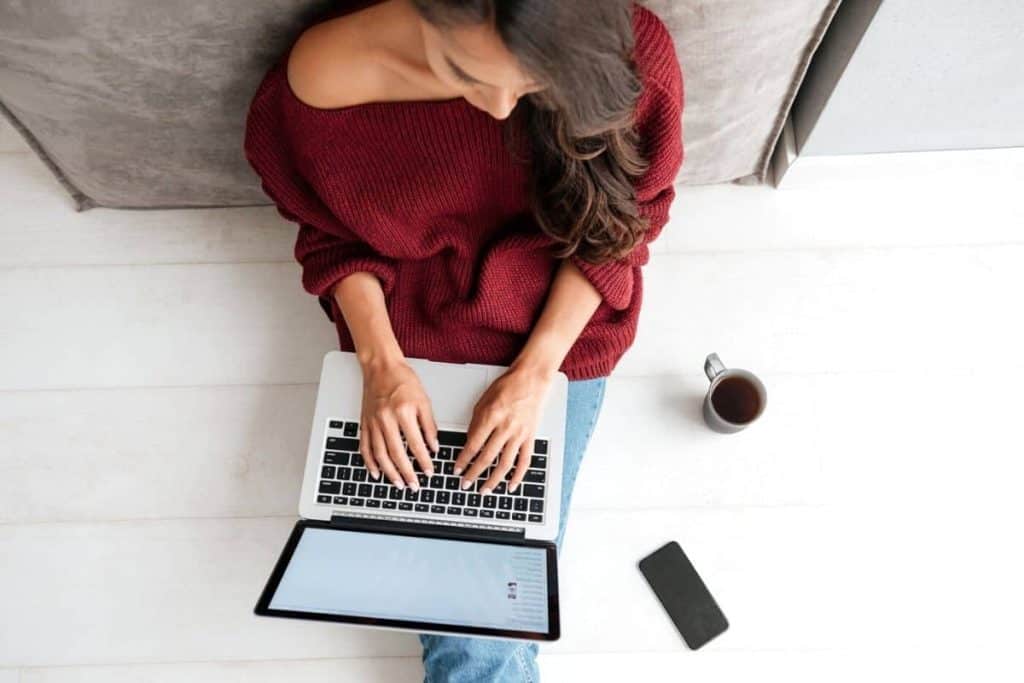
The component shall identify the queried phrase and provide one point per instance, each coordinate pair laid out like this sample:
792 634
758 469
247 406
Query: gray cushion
141 103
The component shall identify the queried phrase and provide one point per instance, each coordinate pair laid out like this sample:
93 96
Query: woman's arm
394 402
505 418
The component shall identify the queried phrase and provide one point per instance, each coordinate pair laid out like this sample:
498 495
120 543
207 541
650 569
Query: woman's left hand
503 427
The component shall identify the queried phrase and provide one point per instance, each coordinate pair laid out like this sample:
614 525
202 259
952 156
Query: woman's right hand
395 404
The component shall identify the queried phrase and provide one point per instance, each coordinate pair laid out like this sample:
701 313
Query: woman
475 181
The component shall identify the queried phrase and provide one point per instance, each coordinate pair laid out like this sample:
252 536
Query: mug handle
713 366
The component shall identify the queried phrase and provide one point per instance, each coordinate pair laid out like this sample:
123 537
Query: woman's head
570 62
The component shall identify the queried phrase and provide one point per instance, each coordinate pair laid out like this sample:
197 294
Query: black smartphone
683 595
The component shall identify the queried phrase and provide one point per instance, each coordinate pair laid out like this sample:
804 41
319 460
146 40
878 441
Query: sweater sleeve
327 250
659 125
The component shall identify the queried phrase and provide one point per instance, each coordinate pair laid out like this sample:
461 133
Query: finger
414 439
380 452
396 451
486 457
428 425
522 464
504 464
479 431
366 449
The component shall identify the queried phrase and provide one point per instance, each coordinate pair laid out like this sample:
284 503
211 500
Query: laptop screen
417 582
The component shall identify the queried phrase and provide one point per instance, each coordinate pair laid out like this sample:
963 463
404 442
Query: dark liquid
735 399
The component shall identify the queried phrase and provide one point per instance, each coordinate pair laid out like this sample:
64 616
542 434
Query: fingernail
375 475
415 486
437 446
466 484
485 490
513 487
400 484
430 472
458 471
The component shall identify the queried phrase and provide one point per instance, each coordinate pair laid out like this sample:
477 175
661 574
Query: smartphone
683 595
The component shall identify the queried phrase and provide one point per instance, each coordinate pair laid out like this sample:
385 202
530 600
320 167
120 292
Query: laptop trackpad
453 389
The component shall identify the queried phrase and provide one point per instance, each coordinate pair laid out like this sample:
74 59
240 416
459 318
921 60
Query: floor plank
869 310
34 205
167 591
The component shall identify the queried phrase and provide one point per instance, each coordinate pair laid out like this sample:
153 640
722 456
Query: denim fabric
456 659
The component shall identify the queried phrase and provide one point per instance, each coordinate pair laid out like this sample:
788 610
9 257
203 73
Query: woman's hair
585 151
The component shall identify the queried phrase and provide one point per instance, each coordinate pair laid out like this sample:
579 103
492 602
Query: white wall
945 74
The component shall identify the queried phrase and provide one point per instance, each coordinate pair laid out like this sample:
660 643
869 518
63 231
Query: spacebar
445 438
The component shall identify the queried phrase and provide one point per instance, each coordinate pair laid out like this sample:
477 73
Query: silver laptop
437 560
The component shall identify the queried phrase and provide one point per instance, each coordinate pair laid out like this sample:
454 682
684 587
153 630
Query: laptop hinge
368 522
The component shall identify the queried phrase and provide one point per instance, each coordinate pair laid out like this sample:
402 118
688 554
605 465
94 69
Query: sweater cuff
613 281
320 272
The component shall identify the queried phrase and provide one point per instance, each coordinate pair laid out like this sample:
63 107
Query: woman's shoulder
654 51
327 67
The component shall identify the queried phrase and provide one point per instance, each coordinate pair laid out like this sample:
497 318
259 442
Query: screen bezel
263 608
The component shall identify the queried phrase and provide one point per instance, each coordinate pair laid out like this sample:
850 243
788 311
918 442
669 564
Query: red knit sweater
426 196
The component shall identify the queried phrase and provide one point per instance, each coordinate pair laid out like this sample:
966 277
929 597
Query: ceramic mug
735 399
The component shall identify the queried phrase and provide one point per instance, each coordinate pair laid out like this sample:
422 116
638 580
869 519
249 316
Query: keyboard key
540 446
458 498
538 461
444 453
351 429
490 501
536 505
454 511
521 504
469 512
335 458
412 495
427 496
323 499
519 516
373 503
474 500
330 487
424 480
344 473
390 505
437 509
505 503
380 491
517 492
533 490
357 460
340 500
447 468
443 497
446 438
359 474
501 514
405 506
327 472
335 424
395 493
537 518
534 476
365 490
358 502
348 488
420 507
437 482
500 488
451 483
487 513
336 443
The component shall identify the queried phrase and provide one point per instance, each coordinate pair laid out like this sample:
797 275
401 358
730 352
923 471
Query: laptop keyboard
344 480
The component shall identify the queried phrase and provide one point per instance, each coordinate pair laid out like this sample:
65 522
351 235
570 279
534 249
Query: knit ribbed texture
428 197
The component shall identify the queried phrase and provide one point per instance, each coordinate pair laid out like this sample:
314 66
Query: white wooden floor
158 374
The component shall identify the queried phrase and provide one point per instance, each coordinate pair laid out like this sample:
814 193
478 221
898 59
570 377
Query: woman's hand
503 426
394 403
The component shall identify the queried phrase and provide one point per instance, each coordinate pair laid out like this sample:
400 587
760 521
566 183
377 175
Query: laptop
440 560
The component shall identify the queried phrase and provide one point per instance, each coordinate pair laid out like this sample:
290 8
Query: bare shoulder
328 69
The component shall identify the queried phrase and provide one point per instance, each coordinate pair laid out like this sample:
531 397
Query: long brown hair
585 152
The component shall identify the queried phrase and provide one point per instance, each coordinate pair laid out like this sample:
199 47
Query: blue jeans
456 659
